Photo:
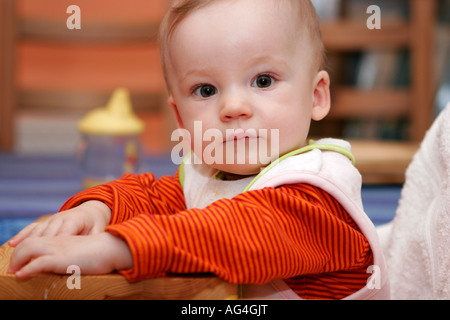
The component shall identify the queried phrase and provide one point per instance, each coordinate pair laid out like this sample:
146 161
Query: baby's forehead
290 10
278 15
297 17
236 26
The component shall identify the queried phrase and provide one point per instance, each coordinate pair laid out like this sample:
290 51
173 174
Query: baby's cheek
292 139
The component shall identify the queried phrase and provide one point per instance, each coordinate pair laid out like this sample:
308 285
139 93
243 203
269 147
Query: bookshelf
383 160
51 76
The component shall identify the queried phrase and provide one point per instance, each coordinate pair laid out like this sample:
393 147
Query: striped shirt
295 232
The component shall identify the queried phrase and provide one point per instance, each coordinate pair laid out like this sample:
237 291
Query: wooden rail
109 287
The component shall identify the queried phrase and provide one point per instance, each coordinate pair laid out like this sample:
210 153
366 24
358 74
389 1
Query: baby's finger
38 229
22 234
49 229
24 253
35 266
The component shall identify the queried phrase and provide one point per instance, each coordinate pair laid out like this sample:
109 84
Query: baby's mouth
239 134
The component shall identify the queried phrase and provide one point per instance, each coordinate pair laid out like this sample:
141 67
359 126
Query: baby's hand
89 218
96 254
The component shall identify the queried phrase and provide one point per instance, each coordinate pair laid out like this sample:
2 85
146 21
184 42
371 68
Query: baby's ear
322 100
172 103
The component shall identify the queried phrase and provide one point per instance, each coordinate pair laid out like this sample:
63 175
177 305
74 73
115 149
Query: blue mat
32 186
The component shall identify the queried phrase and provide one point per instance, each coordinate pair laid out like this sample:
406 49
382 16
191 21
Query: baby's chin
246 166
243 170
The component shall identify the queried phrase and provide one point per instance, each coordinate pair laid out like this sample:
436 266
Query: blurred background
53 76
388 85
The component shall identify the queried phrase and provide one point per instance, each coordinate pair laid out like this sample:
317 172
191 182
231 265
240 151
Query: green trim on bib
181 170
321 146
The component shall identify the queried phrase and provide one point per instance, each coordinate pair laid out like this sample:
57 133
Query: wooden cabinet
385 161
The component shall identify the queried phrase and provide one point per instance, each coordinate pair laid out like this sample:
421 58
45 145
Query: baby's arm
95 254
88 218
133 195
88 212
255 237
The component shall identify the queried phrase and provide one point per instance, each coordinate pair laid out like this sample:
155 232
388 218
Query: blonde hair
180 9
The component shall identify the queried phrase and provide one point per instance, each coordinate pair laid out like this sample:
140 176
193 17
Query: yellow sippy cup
110 140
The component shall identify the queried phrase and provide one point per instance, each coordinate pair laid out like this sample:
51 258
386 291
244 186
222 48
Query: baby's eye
205 91
263 81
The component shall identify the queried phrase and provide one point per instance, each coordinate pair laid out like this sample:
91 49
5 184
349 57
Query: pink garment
334 173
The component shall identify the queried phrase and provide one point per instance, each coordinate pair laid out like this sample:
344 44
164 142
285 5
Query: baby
292 220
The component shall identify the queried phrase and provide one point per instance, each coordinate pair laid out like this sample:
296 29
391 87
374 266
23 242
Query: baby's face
243 66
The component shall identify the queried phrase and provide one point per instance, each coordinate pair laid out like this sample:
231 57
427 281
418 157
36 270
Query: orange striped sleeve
135 194
260 235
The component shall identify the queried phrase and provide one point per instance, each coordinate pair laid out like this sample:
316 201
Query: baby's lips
238 134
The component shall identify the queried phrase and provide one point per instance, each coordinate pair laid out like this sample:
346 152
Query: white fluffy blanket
416 243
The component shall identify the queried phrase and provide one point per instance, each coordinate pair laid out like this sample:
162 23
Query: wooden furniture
48 70
381 161
109 287
7 96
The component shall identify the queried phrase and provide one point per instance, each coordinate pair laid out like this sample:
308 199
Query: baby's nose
235 107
